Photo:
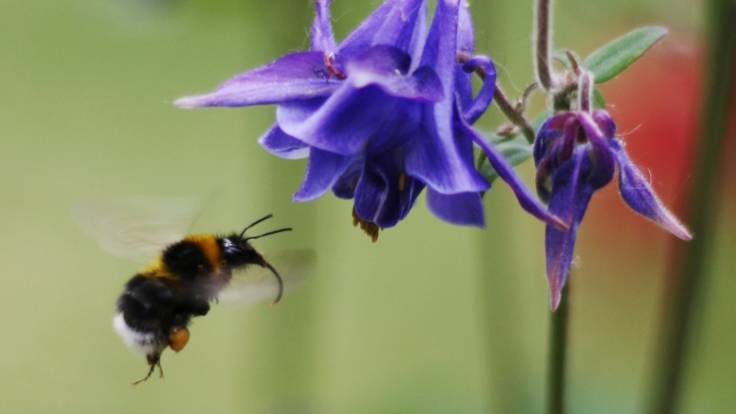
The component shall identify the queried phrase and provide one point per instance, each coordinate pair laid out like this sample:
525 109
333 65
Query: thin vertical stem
557 363
688 278
543 44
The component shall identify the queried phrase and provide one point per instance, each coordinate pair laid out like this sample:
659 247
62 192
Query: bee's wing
137 227
256 284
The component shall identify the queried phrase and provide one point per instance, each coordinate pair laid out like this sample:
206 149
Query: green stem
557 364
543 44
688 276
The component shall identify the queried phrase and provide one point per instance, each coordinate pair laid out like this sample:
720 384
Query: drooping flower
577 153
382 115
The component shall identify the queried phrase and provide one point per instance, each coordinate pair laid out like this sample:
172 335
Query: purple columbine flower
577 153
383 114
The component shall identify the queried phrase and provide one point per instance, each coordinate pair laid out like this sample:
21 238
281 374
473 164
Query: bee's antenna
268 234
278 279
260 220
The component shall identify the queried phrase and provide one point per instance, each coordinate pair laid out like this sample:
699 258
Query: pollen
178 338
371 229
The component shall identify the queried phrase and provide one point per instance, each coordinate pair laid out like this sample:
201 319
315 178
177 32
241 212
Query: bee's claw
154 361
150 372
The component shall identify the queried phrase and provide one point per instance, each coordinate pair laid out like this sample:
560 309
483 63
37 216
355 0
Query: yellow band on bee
210 248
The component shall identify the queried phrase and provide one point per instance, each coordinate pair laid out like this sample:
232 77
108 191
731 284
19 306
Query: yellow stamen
371 229
402 182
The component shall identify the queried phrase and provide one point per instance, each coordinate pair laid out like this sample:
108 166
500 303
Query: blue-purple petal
386 67
323 170
384 195
282 145
463 209
476 107
394 23
343 123
639 195
295 76
345 185
436 158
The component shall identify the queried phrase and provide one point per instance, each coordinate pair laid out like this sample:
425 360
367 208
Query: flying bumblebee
187 274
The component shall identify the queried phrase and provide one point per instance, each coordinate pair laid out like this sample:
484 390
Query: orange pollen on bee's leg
371 229
178 338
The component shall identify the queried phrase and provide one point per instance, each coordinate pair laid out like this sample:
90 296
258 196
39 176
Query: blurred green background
431 319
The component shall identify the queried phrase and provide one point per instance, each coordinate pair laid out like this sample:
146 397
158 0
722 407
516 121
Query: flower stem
543 44
513 115
557 363
688 266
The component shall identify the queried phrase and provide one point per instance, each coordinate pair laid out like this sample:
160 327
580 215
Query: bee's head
237 248
239 252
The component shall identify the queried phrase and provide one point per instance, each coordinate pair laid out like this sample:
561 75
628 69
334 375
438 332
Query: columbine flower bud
576 153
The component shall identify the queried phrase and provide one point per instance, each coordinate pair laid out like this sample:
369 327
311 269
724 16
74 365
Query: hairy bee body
157 304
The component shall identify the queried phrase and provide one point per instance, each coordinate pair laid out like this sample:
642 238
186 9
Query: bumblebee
158 303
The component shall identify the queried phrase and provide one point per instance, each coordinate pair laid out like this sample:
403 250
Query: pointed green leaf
599 102
617 55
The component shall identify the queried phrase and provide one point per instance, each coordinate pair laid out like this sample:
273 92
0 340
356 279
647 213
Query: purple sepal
321 37
478 106
569 201
527 201
439 157
395 23
343 123
280 144
463 209
639 195
295 76
323 170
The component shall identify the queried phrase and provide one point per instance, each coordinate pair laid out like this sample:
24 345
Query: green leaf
599 102
617 55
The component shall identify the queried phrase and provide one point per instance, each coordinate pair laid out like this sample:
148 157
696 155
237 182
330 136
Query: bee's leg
160 369
154 360
144 379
